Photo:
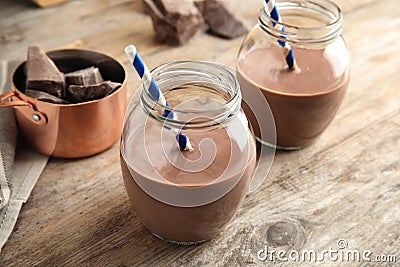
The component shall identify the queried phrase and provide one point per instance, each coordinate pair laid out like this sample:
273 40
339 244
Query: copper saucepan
70 130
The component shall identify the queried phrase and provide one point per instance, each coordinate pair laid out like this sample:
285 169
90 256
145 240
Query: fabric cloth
20 167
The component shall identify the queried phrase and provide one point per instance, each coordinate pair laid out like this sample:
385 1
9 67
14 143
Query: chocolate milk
187 197
303 102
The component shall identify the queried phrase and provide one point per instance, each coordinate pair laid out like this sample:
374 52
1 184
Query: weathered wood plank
54 27
341 196
344 186
22 24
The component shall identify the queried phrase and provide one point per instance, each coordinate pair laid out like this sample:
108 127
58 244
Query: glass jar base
181 243
268 144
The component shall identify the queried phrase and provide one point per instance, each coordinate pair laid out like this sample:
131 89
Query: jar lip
189 67
298 34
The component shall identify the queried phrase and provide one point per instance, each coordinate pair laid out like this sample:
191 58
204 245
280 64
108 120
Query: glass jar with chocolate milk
188 196
305 100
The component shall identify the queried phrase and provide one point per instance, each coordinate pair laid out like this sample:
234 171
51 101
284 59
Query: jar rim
211 72
331 29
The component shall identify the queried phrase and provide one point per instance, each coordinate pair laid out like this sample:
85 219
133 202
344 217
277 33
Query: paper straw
150 85
273 11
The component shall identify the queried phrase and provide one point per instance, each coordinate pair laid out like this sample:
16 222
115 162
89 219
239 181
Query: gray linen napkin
20 167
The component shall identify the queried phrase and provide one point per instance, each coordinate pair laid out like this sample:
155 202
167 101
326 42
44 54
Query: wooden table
346 186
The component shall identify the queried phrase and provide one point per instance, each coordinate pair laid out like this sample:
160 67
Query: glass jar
303 101
183 196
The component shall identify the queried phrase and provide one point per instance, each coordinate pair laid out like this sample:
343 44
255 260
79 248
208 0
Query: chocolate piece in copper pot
43 96
88 76
43 74
81 93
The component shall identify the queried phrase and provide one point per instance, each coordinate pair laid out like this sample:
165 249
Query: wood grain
346 186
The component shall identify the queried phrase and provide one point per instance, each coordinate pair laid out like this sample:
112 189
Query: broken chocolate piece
43 74
81 93
174 22
200 5
88 76
42 96
222 18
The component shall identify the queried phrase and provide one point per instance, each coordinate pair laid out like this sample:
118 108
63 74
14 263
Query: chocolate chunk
200 5
81 93
42 96
88 76
222 18
43 74
174 22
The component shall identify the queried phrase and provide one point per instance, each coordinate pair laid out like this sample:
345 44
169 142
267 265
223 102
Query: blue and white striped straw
150 85
273 11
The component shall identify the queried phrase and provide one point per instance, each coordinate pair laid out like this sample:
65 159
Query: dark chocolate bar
221 18
174 22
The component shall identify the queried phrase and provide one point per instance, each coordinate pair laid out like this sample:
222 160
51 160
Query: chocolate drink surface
188 196
303 102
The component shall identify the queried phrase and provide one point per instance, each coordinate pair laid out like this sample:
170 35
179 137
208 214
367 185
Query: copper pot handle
30 112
